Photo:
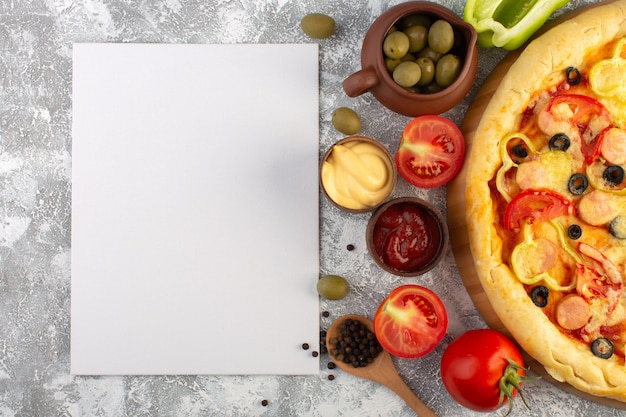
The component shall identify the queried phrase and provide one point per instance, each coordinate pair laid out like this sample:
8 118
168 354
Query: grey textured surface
36 40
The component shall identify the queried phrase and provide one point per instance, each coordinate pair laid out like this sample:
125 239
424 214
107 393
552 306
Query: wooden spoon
381 370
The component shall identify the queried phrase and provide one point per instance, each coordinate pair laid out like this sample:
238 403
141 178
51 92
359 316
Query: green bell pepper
508 23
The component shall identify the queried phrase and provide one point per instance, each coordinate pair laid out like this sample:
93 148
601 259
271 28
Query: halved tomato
430 152
411 321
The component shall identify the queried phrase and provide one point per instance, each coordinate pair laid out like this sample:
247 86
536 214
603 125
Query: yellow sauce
357 175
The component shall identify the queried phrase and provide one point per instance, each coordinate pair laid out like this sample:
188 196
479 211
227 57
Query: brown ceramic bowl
375 78
376 156
432 236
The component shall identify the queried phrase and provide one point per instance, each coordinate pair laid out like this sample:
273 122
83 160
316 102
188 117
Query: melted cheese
546 258
551 171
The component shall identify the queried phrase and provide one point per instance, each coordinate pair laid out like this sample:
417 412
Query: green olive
346 121
415 20
317 25
418 38
396 45
332 287
441 36
391 64
407 74
429 53
408 57
447 70
428 71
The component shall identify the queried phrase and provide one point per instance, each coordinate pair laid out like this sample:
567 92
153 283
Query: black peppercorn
356 344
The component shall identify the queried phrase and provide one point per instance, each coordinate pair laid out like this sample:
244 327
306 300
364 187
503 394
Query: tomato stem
510 380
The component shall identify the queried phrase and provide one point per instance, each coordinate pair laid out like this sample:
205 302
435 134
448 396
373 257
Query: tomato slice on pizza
536 206
579 114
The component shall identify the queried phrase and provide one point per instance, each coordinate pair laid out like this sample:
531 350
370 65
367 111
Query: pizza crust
542 60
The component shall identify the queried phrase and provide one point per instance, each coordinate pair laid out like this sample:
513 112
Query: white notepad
194 209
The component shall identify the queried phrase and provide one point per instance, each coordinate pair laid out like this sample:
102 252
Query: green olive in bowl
441 36
447 70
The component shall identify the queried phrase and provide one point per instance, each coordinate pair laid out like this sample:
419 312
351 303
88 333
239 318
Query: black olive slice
519 151
574 232
573 75
613 175
559 142
577 184
602 348
617 227
539 295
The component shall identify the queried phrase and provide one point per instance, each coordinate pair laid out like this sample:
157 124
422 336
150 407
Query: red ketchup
406 237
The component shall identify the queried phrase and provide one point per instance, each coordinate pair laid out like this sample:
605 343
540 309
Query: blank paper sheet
194 209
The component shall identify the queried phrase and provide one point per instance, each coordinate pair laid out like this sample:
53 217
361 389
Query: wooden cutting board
459 239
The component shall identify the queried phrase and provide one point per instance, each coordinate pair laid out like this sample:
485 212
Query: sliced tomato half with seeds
430 152
411 321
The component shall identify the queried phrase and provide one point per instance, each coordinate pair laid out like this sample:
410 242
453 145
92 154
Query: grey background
36 38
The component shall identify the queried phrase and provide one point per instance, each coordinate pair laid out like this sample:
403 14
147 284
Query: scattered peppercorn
264 403
325 313
331 365
315 353
355 345
305 346
350 247
331 377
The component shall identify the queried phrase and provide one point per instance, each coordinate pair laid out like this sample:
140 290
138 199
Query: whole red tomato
411 321
430 152
483 370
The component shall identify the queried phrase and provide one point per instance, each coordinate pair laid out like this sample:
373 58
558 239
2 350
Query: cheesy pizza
546 200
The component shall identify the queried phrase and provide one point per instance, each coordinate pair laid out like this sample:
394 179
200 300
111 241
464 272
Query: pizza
546 200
